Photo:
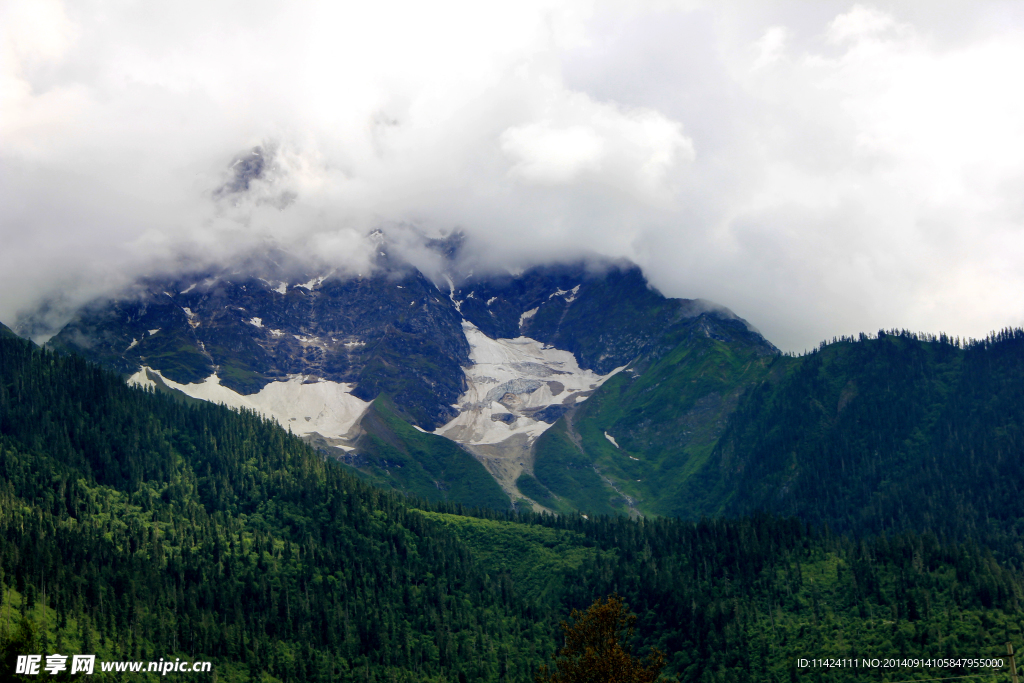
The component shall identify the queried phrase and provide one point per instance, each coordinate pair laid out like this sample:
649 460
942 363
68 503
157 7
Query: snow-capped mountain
488 362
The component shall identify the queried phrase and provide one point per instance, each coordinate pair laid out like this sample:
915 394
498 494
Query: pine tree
594 650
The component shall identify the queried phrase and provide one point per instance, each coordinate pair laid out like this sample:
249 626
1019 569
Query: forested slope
146 528
889 434
137 527
744 599
893 433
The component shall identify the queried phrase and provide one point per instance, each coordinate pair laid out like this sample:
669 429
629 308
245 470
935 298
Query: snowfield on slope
324 407
509 382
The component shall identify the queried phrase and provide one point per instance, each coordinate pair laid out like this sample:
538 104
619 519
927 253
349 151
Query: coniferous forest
138 527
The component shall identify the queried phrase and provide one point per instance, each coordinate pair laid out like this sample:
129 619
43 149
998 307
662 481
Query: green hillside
396 454
665 416
744 599
538 559
868 435
887 434
137 527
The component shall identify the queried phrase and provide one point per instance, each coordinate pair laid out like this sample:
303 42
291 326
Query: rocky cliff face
490 362
606 316
392 332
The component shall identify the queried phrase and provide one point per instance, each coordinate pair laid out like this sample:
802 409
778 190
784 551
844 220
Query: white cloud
821 168
545 154
34 31
770 46
859 23
628 147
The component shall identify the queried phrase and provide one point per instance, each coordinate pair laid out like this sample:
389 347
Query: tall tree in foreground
594 650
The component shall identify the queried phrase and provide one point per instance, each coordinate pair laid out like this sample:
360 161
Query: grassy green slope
567 472
666 420
435 468
536 559
528 485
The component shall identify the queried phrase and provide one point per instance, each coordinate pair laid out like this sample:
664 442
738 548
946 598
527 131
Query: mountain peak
492 363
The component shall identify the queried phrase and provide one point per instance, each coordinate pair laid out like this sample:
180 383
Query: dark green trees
596 649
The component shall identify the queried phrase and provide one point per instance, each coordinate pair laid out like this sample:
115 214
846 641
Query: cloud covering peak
820 170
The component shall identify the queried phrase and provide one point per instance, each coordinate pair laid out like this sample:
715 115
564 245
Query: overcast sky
821 168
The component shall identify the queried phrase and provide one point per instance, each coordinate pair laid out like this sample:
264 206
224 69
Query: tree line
137 527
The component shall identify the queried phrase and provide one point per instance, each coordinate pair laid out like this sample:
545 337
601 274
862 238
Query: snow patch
282 288
526 316
152 332
192 321
612 439
132 345
562 292
512 376
315 282
451 294
492 300
277 333
190 288
256 322
325 407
